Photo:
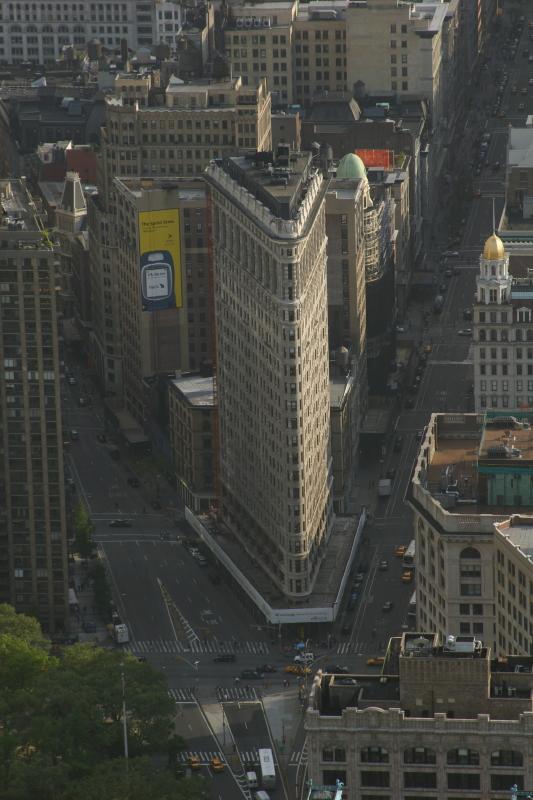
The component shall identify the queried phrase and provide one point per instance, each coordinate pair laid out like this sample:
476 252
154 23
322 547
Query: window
419 755
375 779
506 758
503 782
420 780
374 755
463 780
470 552
464 757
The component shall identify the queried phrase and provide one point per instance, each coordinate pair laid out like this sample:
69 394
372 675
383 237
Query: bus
409 556
267 767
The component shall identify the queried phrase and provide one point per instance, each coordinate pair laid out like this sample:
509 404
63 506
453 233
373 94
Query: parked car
400 550
267 668
387 606
72 382
120 523
251 674
407 576
336 669
304 658
383 565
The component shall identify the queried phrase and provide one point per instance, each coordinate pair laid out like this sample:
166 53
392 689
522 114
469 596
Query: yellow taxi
296 669
216 764
193 762
407 576
375 661
400 550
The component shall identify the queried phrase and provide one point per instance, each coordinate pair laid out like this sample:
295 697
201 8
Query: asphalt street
250 732
192 725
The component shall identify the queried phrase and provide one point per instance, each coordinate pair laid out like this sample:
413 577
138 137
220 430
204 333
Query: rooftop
18 212
466 461
197 389
280 191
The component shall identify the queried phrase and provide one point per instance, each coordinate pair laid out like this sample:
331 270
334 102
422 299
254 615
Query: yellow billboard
160 259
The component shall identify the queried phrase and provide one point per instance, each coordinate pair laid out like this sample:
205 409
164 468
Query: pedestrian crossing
250 758
237 693
298 757
354 648
206 647
203 756
182 695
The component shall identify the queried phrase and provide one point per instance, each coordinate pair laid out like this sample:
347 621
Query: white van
253 783
261 795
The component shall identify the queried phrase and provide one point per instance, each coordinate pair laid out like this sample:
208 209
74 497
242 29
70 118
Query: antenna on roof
493 216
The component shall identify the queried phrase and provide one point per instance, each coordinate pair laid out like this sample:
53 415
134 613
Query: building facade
473 566
157 340
193 438
39 31
198 122
269 244
502 333
444 720
33 528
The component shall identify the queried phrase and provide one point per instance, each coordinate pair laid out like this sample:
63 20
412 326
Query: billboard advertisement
160 257
377 158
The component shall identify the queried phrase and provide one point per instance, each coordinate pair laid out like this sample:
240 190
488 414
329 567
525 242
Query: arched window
470 552
463 757
419 755
506 758
374 755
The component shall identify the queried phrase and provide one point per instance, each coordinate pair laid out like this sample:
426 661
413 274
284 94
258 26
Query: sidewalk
85 615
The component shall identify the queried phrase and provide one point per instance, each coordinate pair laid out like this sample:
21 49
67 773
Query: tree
110 780
83 532
61 723
21 626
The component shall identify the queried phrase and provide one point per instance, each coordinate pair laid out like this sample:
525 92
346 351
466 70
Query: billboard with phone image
160 259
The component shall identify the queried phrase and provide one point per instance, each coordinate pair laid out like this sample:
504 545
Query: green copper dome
351 168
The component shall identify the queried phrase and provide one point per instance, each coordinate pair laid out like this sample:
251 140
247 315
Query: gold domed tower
494 249
493 283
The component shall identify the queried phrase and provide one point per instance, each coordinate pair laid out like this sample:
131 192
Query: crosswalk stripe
211 647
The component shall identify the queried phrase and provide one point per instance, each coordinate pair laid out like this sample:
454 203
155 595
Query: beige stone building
443 720
197 122
272 363
33 527
156 342
191 407
474 573
299 49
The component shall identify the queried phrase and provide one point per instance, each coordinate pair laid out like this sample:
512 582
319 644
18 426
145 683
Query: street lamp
124 718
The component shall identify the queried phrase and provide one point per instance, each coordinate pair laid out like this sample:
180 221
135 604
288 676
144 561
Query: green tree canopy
83 532
23 627
61 724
